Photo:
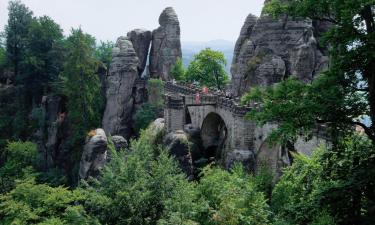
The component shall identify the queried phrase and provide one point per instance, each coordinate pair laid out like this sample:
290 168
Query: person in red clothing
205 90
197 98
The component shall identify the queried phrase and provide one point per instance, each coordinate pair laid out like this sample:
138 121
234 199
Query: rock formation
166 45
119 142
141 40
52 137
269 50
177 144
123 72
245 157
94 154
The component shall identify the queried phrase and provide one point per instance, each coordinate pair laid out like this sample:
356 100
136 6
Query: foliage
16 32
145 115
81 84
298 107
34 52
351 40
135 190
334 185
152 109
2 57
31 203
178 71
103 53
17 157
207 68
232 198
44 57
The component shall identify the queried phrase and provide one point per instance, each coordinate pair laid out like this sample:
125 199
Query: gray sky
201 20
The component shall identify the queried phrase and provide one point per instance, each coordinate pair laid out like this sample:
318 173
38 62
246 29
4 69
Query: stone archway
214 135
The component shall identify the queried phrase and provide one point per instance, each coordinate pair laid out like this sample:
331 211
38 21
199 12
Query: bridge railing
215 97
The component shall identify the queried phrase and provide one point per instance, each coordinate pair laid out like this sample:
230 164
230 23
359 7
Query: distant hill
189 49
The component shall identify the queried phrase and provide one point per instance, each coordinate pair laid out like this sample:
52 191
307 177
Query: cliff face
166 45
270 49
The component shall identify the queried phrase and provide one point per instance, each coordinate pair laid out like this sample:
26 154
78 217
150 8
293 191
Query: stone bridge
225 133
221 120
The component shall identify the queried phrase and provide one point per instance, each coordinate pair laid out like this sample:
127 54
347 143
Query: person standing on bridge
197 98
205 90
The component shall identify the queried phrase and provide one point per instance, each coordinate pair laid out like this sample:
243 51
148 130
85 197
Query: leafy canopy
178 71
207 69
81 84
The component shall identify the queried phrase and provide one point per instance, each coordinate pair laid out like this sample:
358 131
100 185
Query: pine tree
81 83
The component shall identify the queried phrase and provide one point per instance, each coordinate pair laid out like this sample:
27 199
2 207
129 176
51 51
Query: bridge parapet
216 98
180 88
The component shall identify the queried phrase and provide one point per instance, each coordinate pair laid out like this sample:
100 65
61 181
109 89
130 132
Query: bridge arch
214 134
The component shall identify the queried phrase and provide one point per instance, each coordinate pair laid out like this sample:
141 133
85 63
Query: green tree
14 159
232 198
334 185
178 71
137 184
16 32
207 68
44 57
81 84
103 53
2 57
32 203
152 109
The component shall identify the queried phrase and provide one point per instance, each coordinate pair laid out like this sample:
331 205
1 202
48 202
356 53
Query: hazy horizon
200 21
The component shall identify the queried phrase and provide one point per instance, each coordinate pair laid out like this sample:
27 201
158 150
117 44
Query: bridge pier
174 113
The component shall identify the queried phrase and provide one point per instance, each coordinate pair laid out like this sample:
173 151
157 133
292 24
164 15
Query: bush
31 203
334 185
178 71
138 185
18 158
153 109
232 198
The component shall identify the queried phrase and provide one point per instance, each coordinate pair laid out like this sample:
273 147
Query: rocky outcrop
123 72
177 144
52 136
166 45
269 49
119 142
245 157
141 40
94 154
244 35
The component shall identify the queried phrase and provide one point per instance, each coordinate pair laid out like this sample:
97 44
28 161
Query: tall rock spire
166 45
123 73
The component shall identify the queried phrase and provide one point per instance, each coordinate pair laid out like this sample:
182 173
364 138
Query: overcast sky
201 20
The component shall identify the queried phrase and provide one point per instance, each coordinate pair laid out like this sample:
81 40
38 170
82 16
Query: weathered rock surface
166 45
177 143
141 40
245 157
269 49
119 142
94 155
123 73
52 137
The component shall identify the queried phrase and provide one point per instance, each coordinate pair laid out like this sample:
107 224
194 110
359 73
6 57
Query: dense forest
143 183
